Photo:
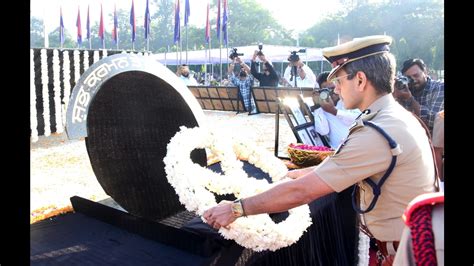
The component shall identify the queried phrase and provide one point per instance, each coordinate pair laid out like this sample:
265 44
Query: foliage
417 28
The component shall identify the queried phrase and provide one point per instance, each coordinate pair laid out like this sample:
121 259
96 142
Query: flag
78 24
224 22
177 29
218 28
132 21
101 25
61 26
187 12
147 21
208 26
88 25
114 31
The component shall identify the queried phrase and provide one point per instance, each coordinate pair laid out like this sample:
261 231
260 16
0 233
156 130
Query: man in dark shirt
268 77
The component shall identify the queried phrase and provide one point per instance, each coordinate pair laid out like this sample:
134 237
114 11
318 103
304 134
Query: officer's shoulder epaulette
359 122
369 116
422 200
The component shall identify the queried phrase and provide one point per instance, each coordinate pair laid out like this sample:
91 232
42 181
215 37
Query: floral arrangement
45 82
309 147
33 119
67 84
57 92
195 184
304 155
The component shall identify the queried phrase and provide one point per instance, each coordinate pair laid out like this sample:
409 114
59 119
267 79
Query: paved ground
60 168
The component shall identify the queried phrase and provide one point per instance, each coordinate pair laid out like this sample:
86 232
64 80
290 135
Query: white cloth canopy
274 53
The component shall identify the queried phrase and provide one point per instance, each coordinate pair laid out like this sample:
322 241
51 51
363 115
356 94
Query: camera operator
243 83
299 72
428 94
332 118
269 77
402 94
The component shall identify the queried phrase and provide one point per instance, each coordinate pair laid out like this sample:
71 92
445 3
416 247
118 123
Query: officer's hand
220 215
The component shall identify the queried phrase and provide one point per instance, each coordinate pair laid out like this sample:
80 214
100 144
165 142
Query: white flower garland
364 245
33 119
194 184
96 56
57 93
66 82
45 92
85 60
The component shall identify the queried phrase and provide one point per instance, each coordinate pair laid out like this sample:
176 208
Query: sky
297 15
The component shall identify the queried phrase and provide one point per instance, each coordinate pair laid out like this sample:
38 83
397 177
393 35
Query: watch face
237 209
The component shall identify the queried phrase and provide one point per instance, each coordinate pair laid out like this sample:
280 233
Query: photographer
269 77
427 94
402 94
243 83
299 72
332 119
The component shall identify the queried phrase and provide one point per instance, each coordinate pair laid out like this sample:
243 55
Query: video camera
260 46
233 54
402 82
294 57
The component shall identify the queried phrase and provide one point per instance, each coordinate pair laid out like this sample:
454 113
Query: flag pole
177 61
61 28
186 43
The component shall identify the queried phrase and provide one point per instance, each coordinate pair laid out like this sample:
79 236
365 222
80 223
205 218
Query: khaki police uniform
366 153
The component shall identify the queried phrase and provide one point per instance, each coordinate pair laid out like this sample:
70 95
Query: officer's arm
287 195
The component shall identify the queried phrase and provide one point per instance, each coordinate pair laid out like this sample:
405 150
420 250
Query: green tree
36 33
417 28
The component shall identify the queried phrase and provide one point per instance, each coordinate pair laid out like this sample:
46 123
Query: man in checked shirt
426 96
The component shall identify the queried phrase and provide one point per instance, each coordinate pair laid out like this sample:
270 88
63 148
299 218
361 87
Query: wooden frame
301 122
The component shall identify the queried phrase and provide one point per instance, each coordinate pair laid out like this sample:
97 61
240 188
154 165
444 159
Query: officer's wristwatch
237 208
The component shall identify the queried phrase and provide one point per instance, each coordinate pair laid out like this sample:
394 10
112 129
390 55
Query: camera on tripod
260 46
234 54
294 55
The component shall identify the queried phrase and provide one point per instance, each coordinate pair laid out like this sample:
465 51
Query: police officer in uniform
400 169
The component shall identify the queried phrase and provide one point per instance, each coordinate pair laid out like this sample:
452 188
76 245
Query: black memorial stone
132 114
